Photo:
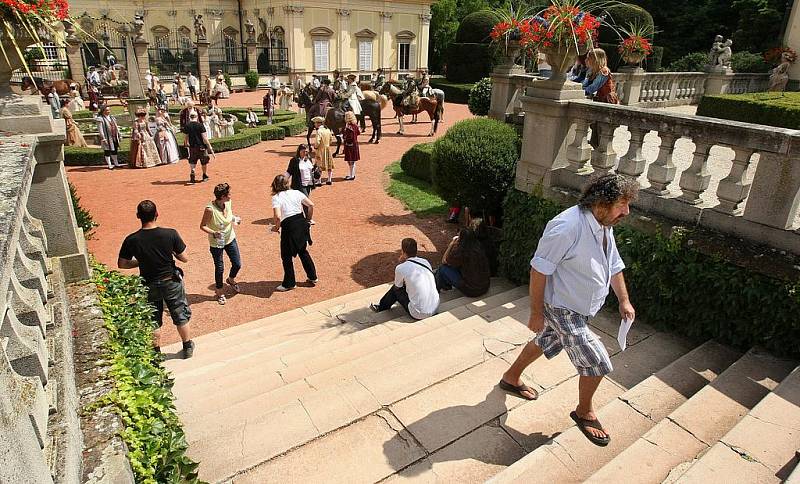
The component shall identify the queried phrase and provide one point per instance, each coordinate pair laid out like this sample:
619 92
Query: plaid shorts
565 329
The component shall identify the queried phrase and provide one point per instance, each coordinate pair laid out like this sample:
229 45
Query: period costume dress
227 124
143 149
354 97
168 144
351 152
214 123
221 88
206 120
74 136
323 148
75 102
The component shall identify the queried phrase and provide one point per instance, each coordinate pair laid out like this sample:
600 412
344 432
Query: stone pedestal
75 62
503 89
546 132
252 56
134 104
632 89
718 80
203 65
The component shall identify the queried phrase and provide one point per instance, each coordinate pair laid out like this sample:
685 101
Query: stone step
256 372
699 423
436 418
628 417
528 424
340 396
761 447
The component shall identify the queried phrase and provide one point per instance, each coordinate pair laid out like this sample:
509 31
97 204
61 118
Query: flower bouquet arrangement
776 55
506 32
636 43
26 22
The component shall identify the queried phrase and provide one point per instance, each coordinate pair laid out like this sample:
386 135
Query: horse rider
378 79
325 97
410 94
424 84
353 95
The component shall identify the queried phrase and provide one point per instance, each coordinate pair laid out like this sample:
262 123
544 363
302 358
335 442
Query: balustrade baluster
603 157
579 152
694 180
732 189
633 163
662 171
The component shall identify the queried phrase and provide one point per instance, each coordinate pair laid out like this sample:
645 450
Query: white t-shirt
290 202
306 167
420 285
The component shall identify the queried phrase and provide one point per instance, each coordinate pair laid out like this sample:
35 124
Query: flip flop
584 424
517 390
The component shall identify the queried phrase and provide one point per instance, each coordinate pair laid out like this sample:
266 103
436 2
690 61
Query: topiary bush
271 132
475 28
693 62
251 79
623 15
469 62
293 126
473 164
781 110
749 62
457 93
480 97
416 162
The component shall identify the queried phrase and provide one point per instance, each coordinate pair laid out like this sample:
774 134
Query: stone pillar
252 55
203 65
423 39
545 132
343 42
296 39
75 61
503 88
773 199
718 80
632 89
386 44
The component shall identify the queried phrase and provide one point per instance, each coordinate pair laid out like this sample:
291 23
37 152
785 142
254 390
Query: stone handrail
672 156
657 89
26 314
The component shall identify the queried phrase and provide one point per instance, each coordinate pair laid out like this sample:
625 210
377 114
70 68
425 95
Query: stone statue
779 76
138 28
724 59
251 30
199 28
716 50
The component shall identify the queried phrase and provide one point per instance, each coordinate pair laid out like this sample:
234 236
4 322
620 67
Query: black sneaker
188 349
205 177
375 308
192 179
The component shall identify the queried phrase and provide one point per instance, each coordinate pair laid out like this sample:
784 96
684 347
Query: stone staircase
333 392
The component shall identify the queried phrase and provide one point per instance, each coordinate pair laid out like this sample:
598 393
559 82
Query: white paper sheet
622 336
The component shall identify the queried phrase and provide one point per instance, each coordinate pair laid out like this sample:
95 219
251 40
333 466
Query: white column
422 40
342 63
296 36
386 42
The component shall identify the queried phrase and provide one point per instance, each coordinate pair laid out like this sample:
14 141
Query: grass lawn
417 195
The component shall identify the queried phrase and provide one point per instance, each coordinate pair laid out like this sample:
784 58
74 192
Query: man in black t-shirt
199 147
153 250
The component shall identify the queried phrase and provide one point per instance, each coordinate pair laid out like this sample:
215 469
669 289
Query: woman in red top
351 153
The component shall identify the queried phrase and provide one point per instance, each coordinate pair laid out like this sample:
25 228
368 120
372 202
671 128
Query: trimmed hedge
294 126
672 284
476 27
621 15
781 110
271 132
473 164
691 62
749 62
238 141
469 62
416 161
456 93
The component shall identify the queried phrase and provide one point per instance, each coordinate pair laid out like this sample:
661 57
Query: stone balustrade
736 178
635 88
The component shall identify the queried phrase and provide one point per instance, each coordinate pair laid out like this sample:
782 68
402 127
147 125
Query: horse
45 86
334 117
432 106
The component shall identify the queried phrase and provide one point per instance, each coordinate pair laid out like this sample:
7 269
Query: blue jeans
232 250
447 277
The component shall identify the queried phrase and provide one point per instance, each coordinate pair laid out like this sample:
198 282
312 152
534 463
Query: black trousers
393 295
288 265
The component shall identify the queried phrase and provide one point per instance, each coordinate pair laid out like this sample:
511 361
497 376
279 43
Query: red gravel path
358 231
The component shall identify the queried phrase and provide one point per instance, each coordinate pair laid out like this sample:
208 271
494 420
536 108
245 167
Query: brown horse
334 117
45 86
430 106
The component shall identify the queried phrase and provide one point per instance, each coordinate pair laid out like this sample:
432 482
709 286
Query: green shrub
673 285
293 126
653 62
236 142
453 92
75 156
772 109
473 164
480 97
749 62
475 28
469 62
251 79
271 132
82 216
622 15
693 62
227 80
416 162
142 393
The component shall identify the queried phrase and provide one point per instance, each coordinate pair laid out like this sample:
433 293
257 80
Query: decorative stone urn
561 58
634 58
511 54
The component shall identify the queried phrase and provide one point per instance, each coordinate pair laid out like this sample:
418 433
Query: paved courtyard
358 231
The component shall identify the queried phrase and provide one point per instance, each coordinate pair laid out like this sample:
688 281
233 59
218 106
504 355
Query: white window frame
321 51
365 49
401 66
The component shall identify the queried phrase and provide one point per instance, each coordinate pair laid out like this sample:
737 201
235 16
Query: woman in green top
218 221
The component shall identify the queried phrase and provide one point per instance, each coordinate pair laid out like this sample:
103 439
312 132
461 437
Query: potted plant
561 32
22 22
506 33
636 44
251 79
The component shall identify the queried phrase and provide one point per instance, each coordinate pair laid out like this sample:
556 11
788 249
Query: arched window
184 38
160 37
231 45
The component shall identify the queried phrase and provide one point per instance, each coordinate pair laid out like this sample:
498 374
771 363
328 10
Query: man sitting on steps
574 264
414 285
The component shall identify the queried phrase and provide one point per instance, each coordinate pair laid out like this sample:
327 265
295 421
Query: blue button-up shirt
570 253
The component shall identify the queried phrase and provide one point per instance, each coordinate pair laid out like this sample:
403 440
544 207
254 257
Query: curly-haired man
574 264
